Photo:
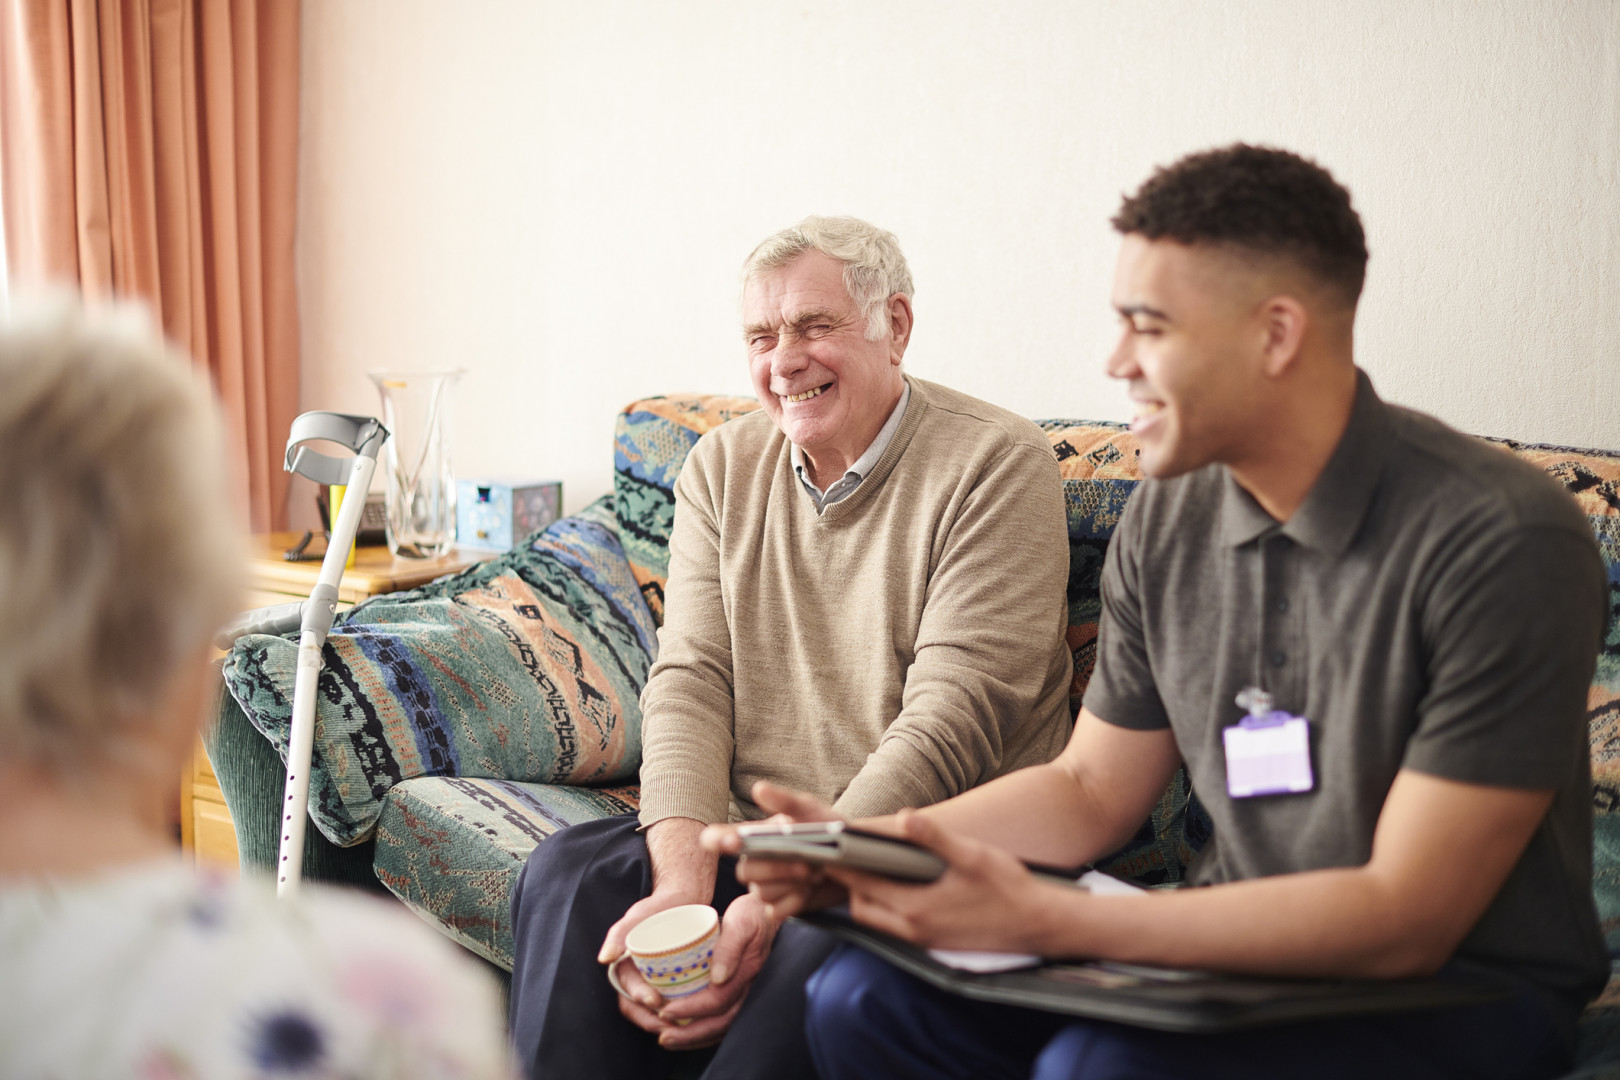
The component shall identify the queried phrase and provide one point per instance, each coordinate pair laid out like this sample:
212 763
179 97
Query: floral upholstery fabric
1097 462
527 667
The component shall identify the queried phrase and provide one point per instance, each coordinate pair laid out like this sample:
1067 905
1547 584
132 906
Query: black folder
1171 1000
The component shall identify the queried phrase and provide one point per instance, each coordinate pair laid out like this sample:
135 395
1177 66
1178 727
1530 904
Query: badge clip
1258 704
1268 752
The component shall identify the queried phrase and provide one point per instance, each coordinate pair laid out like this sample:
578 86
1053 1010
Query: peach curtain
149 150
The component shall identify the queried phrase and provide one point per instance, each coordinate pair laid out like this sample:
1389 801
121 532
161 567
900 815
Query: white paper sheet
984 963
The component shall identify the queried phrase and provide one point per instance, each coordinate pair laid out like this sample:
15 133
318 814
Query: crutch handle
276 619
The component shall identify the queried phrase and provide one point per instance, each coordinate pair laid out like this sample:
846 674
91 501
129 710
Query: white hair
874 268
118 556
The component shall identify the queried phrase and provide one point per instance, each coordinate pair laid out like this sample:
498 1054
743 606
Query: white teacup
672 949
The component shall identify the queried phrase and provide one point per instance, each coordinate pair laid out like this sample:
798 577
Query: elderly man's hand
746 933
785 886
643 1010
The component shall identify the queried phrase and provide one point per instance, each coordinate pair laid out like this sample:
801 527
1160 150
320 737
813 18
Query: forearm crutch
313 617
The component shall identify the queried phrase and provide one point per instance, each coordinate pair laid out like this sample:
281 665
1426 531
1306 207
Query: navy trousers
565 1017
867 1018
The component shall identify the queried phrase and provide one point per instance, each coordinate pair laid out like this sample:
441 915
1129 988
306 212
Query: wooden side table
206 831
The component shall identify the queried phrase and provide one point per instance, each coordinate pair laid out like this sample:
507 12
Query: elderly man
865 601
1424 612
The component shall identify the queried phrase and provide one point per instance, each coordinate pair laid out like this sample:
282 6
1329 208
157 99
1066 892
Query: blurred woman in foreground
117 561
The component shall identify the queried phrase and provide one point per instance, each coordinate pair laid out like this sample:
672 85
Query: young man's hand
986 899
784 886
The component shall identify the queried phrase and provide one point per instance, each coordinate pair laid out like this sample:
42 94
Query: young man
1428 606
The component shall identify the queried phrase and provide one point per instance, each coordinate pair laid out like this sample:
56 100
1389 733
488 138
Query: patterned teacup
672 949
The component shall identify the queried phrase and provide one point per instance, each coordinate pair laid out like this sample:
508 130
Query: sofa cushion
526 667
651 441
1597 1044
1603 716
452 848
1593 478
1097 461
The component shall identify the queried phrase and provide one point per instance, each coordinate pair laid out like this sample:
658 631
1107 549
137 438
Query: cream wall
556 195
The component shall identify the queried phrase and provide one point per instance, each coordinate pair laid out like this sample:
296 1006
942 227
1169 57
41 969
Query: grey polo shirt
1435 604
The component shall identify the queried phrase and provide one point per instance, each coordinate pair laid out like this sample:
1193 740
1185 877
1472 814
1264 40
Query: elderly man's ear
899 326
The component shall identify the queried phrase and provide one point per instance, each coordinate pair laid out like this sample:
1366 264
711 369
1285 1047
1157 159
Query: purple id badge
1268 752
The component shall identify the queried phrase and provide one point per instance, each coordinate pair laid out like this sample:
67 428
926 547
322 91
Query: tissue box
497 514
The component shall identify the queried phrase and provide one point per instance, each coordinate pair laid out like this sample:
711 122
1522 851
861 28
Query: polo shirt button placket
1278 629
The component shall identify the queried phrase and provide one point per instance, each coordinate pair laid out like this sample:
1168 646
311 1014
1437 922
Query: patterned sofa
461 724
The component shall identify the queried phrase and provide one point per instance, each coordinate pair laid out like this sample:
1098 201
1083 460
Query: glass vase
421 486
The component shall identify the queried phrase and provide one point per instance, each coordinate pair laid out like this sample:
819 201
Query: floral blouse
158 972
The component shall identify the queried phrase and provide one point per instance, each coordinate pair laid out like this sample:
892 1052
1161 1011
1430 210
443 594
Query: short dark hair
1267 200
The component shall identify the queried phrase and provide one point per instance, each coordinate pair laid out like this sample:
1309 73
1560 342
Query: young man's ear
1283 321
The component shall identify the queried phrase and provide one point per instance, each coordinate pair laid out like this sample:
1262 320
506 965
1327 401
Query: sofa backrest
653 436
650 442
1593 478
1098 463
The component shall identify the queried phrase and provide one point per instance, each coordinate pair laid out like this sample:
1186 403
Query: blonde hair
118 557
874 268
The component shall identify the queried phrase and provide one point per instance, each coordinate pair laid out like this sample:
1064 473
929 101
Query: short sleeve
1513 627
1122 691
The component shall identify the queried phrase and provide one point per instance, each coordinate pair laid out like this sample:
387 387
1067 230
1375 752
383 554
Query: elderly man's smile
814 391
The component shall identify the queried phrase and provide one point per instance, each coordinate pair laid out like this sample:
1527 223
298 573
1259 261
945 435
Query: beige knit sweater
896 650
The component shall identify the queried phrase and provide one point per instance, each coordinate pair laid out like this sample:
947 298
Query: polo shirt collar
1242 520
1333 510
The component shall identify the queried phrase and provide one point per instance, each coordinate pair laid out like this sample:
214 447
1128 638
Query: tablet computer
841 844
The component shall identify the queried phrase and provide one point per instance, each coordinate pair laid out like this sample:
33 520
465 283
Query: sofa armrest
253 780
